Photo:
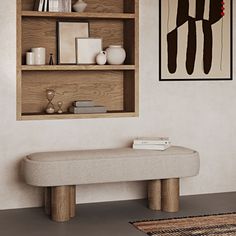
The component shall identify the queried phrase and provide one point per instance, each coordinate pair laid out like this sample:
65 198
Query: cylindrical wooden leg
170 195
154 194
60 206
47 200
72 200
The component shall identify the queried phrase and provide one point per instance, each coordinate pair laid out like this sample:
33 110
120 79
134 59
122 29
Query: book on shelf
158 147
88 110
53 6
84 103
154 140
60 6
45 5
38 5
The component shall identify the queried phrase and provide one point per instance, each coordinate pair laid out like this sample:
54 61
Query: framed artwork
195 40
87 49
67 32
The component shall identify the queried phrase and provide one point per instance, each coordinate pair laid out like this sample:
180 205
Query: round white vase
101 58
115 55
79 6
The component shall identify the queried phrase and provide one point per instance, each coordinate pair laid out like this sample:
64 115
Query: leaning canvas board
87 49
67 33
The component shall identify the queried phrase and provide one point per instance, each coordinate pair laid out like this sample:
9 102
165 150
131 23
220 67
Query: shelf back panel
38 32
104 87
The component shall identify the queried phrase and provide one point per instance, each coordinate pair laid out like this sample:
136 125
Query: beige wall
199 115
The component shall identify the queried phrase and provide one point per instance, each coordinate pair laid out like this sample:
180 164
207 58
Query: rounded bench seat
61 171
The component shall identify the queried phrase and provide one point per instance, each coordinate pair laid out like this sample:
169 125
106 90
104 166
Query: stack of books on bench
159 143
52 5
86 107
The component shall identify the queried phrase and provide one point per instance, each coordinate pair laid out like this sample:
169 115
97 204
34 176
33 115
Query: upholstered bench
60 172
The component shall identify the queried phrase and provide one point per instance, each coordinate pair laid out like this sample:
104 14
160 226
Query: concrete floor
107 219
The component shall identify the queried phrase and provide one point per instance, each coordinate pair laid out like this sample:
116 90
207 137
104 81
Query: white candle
39 56
30 58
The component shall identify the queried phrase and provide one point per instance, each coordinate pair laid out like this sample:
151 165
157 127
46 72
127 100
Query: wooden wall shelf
109 114
113 86
88 15
77 67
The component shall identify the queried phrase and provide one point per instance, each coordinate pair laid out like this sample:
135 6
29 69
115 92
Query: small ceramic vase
115 55
79 6
101 58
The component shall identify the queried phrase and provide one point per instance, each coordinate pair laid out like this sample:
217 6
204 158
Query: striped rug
221 225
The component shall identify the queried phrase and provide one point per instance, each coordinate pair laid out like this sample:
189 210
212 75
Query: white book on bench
156 140
160 147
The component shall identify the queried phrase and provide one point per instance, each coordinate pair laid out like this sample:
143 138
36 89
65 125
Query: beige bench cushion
108 165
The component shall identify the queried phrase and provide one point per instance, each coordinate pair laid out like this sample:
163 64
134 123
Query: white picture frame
87 49
67 32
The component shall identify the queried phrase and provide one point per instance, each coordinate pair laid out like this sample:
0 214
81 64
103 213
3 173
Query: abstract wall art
195 40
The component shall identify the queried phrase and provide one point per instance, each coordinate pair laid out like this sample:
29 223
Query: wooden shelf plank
85 15
110 114
76 67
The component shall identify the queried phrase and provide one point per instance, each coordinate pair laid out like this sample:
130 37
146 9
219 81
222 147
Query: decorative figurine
60 104
51 59
50 93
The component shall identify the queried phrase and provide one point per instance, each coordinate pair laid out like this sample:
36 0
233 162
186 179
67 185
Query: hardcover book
88 110
40 7
155 140
83 103
151 146
36 5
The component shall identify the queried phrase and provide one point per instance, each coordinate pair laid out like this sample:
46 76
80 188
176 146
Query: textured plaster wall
199 115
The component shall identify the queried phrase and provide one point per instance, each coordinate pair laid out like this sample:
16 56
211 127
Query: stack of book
159 143
86 107
53 5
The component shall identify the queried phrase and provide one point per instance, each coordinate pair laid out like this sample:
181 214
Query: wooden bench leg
47 200
170 195
60 205
154 194
72 200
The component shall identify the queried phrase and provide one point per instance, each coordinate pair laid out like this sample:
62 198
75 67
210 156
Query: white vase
79 6
115 55
101 58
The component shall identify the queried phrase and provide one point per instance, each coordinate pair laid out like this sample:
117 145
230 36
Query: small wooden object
47 200
60 205
170 195
72 201
154 194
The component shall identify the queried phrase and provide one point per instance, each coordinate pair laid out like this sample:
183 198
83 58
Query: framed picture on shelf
87 49
67 32
195 40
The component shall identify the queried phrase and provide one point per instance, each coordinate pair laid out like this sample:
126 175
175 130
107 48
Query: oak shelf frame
121 16
84 15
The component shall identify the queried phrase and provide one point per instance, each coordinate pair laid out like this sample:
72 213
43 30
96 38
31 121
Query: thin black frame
58 39
204 79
